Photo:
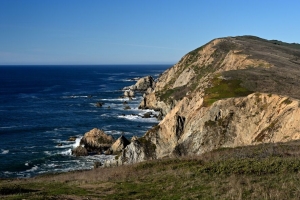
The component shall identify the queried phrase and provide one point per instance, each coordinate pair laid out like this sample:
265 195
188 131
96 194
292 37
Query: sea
41 107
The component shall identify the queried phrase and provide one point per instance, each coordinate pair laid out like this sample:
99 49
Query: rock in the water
127 108
128 93
96 141
72 138
99 104
80 151
147 115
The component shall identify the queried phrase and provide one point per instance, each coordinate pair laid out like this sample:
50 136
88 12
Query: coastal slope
233 91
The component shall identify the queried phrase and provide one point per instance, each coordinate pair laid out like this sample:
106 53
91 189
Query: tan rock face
119 145
96 140
184 78
145 83
232 122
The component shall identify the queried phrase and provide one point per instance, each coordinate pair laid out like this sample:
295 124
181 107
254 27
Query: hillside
231 92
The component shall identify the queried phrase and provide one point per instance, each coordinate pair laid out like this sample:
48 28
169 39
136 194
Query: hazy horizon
74 32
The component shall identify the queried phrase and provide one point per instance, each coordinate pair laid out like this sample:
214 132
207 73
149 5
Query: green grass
222 88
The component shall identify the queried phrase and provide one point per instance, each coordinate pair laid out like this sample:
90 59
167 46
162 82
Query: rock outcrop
129 93
145 83
80 151
230 92
96 141
140 149
142 84
119 145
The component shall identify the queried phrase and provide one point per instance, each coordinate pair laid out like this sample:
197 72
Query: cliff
231 92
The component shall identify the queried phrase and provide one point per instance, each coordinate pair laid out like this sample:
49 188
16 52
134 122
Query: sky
99 32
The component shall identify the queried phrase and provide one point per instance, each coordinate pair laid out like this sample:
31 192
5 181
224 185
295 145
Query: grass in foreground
269 171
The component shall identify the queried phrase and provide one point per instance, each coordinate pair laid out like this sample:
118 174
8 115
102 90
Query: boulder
99 104
96 141
72 138
147 115
127 108
128 93
80 151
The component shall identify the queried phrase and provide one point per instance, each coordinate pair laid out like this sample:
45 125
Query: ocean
43 106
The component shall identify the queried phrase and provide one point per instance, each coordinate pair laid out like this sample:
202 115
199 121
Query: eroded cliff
230 92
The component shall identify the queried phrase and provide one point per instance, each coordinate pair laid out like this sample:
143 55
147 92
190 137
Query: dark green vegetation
266 171
223 88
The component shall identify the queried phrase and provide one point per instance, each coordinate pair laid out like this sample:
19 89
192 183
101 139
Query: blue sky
133 31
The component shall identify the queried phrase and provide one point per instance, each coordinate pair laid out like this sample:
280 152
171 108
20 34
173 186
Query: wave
8 127
66 153
3 151
27 96
75 96
77 142
114 132
119 99
138 118
34 168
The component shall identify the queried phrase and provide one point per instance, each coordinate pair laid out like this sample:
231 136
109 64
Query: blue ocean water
43 106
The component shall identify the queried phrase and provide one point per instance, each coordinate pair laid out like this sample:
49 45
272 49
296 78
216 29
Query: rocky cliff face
230 92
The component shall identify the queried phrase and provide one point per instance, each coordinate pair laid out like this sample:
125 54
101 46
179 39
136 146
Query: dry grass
268 171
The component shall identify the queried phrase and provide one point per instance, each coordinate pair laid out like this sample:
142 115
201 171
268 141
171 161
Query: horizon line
83 64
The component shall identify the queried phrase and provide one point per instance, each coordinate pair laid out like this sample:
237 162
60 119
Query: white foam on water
67 152
52 165
3 151
8 127
64 146
104 115
77 142
34 168
30 147
114 132
138 118
119 99
48 153
74 96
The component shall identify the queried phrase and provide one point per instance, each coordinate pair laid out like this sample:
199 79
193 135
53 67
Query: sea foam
3 151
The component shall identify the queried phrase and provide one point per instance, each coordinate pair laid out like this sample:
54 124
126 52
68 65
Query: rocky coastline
96 141
225 94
